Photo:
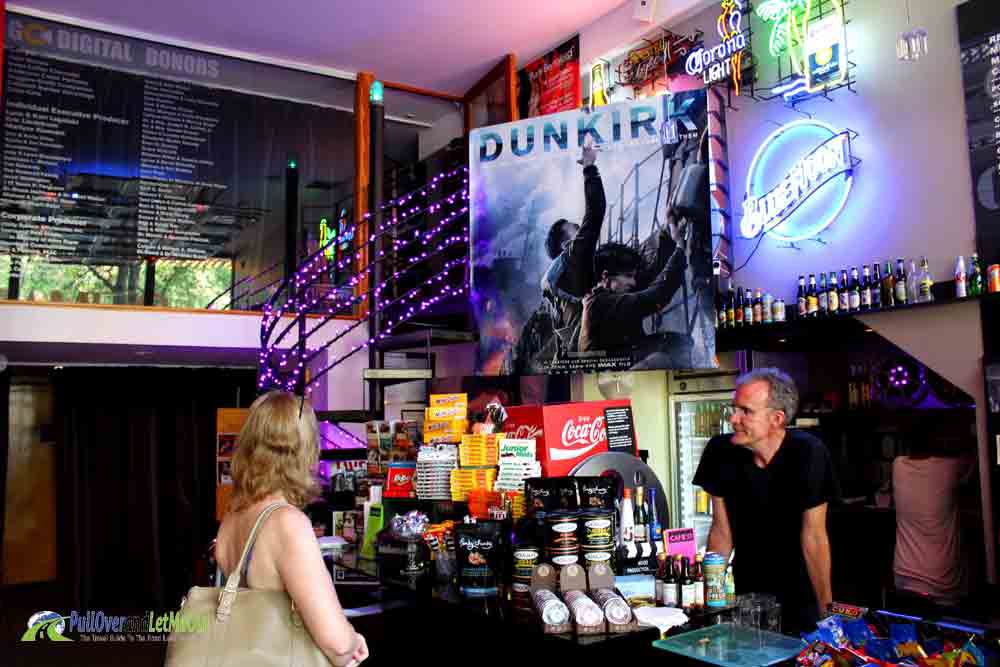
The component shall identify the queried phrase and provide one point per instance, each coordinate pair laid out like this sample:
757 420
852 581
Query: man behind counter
770 489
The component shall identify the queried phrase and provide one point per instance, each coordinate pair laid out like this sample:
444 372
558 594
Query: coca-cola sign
579 436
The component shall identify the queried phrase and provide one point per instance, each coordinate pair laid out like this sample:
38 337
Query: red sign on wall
551 83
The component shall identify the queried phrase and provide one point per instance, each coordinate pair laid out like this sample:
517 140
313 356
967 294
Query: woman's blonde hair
277 452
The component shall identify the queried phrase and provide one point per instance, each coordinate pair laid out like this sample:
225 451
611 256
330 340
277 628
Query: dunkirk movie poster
591 240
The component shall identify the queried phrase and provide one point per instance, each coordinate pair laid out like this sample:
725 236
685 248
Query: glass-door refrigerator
699 407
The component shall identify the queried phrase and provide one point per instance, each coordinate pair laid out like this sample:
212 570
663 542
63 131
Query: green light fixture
376 93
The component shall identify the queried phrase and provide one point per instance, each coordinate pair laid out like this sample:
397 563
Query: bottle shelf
805 333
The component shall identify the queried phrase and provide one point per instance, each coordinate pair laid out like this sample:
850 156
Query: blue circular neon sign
798 182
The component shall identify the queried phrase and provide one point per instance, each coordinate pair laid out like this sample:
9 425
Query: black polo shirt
765 508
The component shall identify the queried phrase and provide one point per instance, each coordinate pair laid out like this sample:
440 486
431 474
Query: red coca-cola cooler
568 433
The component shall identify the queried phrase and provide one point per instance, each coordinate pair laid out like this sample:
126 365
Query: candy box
449 400
400 480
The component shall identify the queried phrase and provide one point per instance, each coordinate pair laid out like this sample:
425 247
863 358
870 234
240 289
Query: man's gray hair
782 393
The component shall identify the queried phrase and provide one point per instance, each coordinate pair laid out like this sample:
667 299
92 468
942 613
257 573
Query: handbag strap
228 594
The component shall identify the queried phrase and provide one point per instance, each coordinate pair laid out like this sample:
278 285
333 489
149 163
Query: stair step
432 337
344 454
348 416
397 375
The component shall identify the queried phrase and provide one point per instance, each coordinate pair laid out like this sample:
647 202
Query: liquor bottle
731 307
913 283
812 297
876 287
824 296
640 530
866 289
845 292
699 581
833 298
802 296
758 305
901 293
655 529
767 308
671 594
975 280
738 307
730 587
720 310
888 287
855 291
926 294
961 282
780 313
687 585
627 520
748 308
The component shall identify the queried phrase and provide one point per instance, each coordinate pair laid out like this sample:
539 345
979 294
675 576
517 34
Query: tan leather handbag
245 626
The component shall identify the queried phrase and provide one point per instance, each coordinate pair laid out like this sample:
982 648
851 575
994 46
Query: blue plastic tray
727 645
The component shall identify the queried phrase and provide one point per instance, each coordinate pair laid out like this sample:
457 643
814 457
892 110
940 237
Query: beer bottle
888 287
866 289
926 281
833 298
855 291
671 595
699 582
824 296
900 283
802 297
758 305
845 292
748 308
961 279
975 281
731 307
738 307
812 297
876 287
687 585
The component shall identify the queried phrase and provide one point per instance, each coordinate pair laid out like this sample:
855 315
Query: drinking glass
772 618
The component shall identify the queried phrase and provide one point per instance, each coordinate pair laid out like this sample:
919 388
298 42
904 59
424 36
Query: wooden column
362 164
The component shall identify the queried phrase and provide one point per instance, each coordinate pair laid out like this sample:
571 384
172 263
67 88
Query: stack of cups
561 546
596 535
525 560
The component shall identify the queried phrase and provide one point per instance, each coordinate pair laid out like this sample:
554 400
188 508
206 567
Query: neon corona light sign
725 59
817 48
819 179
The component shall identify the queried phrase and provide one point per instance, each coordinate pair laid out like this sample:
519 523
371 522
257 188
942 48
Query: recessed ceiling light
869 330
782 340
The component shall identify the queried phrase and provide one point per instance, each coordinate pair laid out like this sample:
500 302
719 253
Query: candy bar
448 400
446 412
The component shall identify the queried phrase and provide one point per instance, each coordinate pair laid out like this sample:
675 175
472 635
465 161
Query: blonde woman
274 462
